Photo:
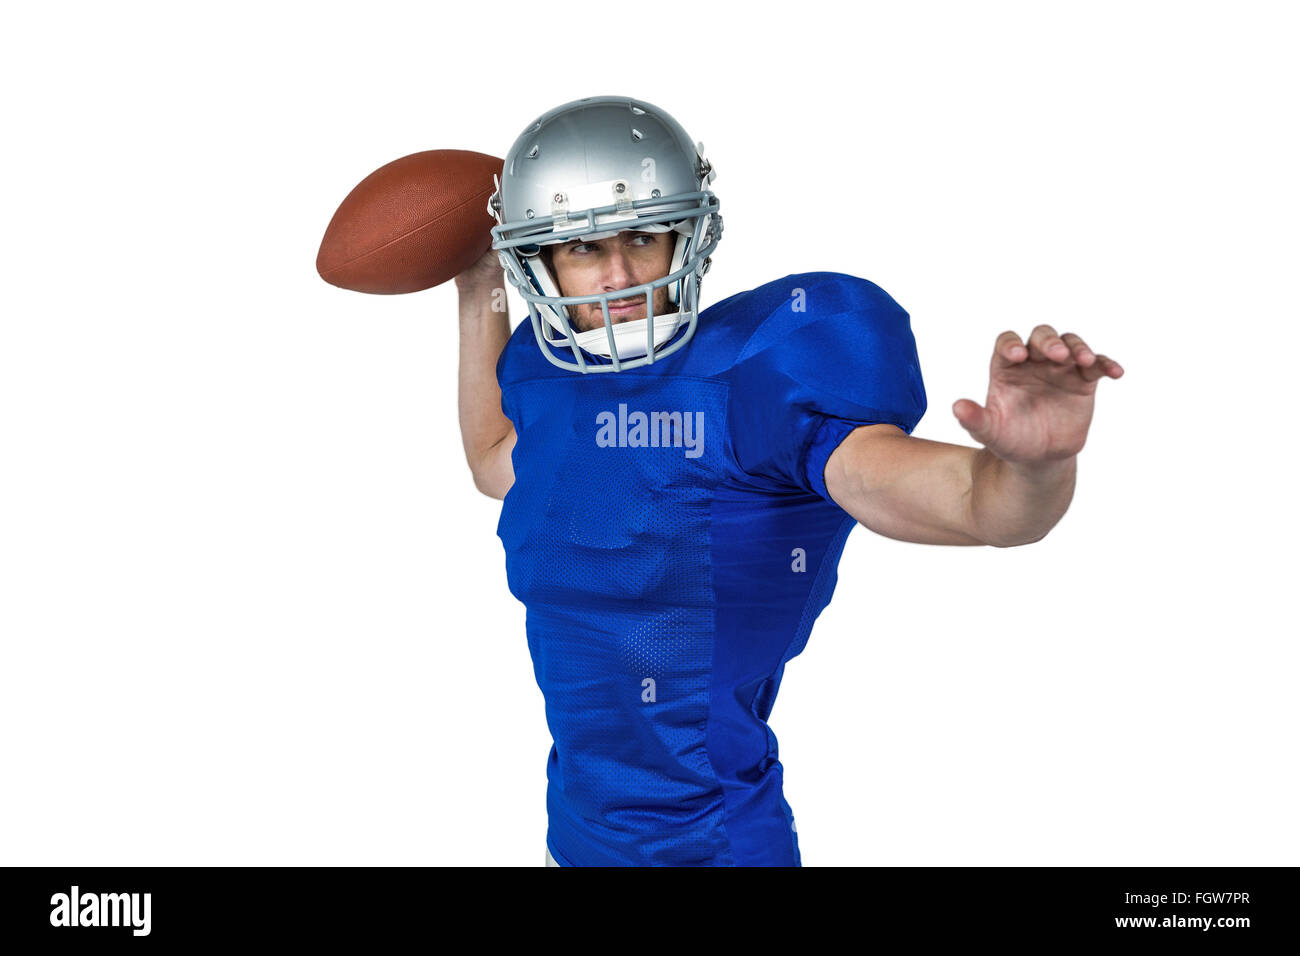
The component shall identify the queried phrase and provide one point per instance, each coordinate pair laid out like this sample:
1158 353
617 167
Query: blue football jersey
670 534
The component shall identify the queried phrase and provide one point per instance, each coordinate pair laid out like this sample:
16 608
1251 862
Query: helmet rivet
559 197
620 187
529 214
655 194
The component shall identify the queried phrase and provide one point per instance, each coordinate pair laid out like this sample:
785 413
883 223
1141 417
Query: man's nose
618 271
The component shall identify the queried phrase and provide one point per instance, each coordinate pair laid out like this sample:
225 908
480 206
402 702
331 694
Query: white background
255 612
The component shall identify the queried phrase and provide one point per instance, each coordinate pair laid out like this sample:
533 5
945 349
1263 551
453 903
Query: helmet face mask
588 170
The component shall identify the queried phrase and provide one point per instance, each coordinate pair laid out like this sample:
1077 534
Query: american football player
678 485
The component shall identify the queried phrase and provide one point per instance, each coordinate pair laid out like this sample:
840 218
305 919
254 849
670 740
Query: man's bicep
905 488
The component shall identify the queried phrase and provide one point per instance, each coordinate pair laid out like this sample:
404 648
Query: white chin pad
629 337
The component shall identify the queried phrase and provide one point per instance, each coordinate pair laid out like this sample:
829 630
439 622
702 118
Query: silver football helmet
588 170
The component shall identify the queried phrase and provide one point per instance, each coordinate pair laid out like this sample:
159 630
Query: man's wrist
1043 472
479 288
1017 503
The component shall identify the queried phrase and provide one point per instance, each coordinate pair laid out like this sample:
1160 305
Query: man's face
619 261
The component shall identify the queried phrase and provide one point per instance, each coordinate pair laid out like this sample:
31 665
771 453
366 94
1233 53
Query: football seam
406 235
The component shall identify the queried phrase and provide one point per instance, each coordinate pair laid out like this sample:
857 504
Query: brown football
412 224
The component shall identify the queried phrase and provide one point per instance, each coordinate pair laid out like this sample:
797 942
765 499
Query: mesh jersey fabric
670 535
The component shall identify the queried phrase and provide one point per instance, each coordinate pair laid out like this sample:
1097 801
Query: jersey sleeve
838 355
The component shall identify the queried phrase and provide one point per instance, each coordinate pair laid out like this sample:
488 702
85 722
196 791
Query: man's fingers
1083 356
1046 345
1104 367
1009 350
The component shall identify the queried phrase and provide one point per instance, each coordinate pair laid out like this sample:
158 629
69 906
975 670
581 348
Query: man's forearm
483 334
1013 504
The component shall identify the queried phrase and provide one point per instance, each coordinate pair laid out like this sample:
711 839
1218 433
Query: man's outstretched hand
1040 397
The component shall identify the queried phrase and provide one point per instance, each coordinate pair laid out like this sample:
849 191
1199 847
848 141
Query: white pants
550 860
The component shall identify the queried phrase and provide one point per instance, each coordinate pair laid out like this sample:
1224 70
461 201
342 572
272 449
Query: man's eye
580 248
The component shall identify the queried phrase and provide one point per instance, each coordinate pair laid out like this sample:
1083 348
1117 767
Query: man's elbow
1017 542
488 483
